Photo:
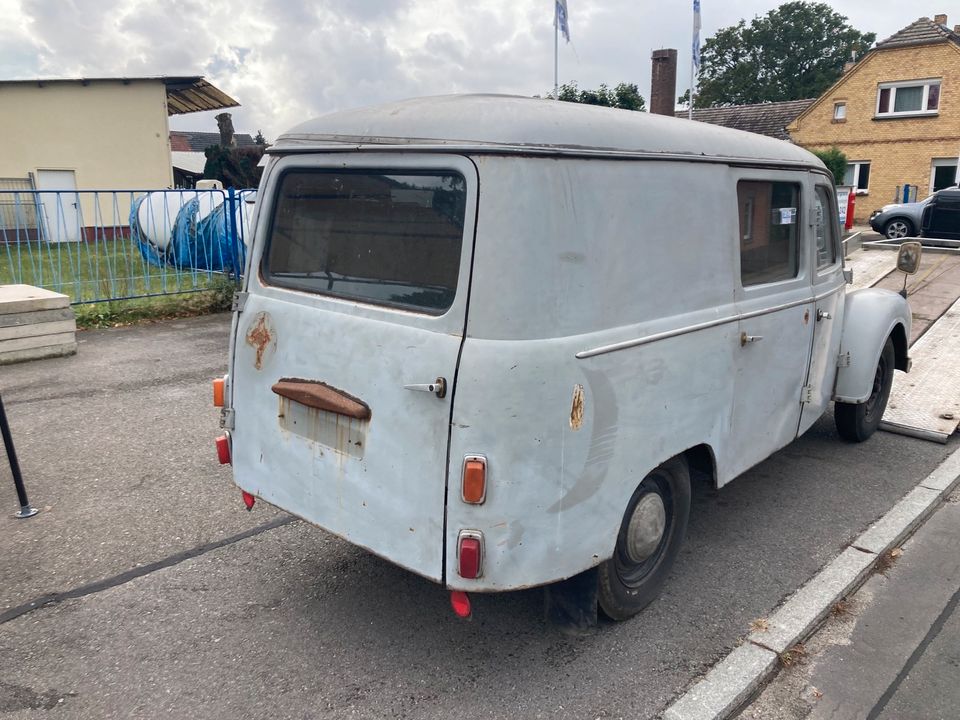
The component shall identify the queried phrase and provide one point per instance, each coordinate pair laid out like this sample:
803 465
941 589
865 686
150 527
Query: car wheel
858 421
650 536
898 228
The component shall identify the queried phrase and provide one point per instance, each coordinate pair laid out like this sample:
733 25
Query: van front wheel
858 421
650 536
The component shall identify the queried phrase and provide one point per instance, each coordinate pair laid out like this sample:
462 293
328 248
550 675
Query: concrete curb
732 681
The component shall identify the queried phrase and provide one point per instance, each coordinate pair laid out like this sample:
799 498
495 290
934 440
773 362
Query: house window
943 173
840 111
858 176
916 97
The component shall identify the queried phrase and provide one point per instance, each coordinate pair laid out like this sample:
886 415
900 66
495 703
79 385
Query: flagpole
556 53
692 59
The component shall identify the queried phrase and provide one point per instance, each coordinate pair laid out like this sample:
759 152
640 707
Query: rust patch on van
321 396
806 316
576 409
261 338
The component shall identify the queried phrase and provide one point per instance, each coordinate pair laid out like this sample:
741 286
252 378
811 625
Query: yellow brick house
895 114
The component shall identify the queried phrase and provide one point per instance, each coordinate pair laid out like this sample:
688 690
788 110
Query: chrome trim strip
647 339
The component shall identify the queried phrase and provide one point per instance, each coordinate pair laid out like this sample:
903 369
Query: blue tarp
194 244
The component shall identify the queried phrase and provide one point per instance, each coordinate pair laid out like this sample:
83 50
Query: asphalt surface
169 599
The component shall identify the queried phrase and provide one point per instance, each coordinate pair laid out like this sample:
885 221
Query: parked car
941 216
487 338
899 220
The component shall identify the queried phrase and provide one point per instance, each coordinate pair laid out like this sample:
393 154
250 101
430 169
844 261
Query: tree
794 52
835 161
233 166
625 96
260 139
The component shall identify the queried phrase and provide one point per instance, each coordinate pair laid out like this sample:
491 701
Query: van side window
769 231
824 227
388 238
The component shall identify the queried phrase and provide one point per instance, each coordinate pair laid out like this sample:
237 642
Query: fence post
234 239
25 510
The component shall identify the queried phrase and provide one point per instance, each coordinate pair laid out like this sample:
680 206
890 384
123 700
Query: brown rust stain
319 395
806 316
576 409
260 338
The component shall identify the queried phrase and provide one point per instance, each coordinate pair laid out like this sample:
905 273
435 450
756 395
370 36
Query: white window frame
856 176
942 162
840 111
893 86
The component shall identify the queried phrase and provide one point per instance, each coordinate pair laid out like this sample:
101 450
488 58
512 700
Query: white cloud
286 61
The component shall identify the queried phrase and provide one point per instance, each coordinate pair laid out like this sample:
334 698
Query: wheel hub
646 527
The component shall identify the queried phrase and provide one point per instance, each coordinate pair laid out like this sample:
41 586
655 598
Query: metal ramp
870 267
925 402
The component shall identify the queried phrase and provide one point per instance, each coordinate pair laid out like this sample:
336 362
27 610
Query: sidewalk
892 650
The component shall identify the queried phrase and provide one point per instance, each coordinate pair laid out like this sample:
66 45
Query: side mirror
908 259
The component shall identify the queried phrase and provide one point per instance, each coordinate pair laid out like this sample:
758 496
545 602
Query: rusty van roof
510 124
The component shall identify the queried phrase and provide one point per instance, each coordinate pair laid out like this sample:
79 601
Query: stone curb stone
813 601
899 521
726 686
945 476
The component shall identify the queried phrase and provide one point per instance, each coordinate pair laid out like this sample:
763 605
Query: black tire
858 421
633 577
898 227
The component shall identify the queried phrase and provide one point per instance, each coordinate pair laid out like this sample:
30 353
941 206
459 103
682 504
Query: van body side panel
325 425
573 255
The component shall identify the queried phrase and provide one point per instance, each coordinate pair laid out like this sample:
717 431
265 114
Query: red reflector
223 449
469 556
248 500
460 602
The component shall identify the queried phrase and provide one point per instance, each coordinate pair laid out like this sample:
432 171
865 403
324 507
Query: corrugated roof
770 119
920 32
191 162
189 141
185 94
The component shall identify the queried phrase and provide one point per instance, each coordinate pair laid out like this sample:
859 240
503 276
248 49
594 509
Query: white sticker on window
784 216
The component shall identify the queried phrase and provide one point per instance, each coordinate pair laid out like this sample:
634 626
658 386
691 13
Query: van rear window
389 238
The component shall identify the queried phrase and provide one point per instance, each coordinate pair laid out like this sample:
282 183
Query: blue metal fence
100 245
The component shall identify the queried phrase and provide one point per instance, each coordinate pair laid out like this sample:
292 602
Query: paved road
199 609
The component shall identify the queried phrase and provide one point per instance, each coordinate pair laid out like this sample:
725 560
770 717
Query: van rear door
348 343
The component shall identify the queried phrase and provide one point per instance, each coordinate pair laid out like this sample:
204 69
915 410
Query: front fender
870 316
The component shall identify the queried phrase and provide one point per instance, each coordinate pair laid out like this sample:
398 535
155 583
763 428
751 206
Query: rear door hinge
227 418
806 394
843 359
239 301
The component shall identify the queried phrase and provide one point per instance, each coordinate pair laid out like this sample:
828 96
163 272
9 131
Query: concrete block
36 329
945 476
902 518
726 687
36 316
38 353
26 298
811 603
28 343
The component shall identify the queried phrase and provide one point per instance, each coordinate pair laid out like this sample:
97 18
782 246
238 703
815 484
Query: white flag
696 34
560 18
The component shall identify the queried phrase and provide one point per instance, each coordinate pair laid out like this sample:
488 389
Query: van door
828 291
775 309
347 346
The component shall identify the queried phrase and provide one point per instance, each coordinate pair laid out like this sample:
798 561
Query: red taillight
460 602
223 449
248 499
470 554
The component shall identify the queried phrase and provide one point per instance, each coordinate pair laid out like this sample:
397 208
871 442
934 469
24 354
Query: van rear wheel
858 421
650 536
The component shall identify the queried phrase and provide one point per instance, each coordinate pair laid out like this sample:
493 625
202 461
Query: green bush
835 161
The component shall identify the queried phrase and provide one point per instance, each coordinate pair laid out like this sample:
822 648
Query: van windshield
376 236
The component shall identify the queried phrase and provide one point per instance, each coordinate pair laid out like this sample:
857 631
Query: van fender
870 316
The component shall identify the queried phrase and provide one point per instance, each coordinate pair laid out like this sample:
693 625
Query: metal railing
102 245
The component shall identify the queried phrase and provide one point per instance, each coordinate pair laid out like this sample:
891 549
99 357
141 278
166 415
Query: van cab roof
512 124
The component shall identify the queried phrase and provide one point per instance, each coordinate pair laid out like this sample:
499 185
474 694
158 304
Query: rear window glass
769 231
388 238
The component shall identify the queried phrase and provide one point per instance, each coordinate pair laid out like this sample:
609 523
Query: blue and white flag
560 18
696 34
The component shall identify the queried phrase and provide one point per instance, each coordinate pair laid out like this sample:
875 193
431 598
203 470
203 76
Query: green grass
114 271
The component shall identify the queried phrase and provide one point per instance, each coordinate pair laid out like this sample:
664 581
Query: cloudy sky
288 60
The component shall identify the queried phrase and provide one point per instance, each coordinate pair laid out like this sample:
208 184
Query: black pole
25 509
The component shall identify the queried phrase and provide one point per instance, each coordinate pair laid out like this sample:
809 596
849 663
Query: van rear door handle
438 387
823 315
744 338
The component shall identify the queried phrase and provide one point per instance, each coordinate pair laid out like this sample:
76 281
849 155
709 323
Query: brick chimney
663 82
940 19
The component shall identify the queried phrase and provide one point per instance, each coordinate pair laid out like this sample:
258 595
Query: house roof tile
920 32
189 141
770 119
